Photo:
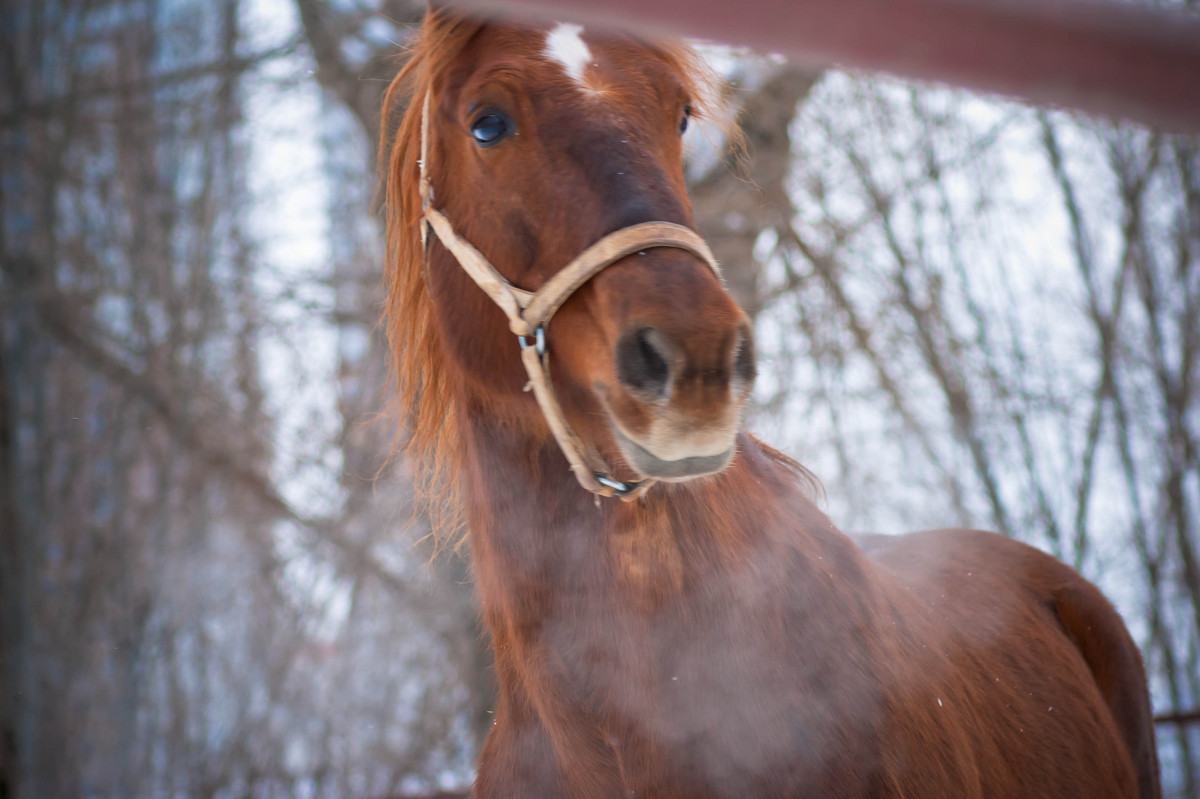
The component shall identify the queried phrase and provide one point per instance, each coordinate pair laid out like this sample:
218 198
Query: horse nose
647 362
644 363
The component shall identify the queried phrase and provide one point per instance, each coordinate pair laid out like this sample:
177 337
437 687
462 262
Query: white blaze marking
565 45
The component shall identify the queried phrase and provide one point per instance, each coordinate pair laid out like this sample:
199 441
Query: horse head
539 142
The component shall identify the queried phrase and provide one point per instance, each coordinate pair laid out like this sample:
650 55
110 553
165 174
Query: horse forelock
424 391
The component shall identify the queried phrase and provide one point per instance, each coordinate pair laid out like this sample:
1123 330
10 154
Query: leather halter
529 313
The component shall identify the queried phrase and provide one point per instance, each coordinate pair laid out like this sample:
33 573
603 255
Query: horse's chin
676 470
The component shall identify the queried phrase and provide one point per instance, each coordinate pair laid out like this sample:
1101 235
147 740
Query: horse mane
428 437
423 389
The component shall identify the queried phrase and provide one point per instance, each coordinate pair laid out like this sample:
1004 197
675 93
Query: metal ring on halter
539 337
620 488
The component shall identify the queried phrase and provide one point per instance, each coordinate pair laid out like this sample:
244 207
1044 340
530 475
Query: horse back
968 579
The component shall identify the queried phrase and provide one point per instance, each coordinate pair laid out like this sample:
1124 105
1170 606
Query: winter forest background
969 312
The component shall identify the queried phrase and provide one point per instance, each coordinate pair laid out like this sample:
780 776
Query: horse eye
490 129
687 114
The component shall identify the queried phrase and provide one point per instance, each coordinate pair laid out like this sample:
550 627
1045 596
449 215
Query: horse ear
443 10
444 15
443 20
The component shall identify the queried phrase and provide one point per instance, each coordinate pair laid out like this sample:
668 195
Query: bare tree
164 604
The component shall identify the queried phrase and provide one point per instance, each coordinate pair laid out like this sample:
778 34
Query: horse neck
535 530
523 504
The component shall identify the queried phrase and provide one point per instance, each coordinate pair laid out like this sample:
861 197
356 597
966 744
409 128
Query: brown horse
716 635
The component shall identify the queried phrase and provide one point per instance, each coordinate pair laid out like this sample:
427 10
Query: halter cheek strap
529 313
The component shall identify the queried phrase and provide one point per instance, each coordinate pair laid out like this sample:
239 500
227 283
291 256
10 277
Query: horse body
648 655
718 637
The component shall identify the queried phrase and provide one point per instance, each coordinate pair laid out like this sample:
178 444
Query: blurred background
969 312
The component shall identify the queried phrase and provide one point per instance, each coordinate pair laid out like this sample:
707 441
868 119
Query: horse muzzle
678 411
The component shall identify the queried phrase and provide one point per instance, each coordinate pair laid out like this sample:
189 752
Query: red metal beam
1121 61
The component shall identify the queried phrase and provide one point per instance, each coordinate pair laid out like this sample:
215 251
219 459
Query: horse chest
717 706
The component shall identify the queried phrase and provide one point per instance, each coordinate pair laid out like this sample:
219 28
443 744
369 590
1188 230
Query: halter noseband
529 312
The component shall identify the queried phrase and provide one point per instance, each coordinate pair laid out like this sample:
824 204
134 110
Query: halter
529 312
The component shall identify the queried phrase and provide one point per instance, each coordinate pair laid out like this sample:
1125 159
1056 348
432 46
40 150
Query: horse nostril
744 368
643 363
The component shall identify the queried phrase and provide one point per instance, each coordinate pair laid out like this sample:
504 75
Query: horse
670 612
